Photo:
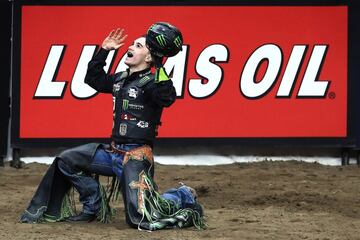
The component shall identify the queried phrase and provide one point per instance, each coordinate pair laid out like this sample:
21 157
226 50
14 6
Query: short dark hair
152 64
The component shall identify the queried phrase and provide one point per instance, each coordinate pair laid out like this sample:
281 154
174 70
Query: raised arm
96 77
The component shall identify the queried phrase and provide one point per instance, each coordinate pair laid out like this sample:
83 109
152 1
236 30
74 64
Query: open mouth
130 54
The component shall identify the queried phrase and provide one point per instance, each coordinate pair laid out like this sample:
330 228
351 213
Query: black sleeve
96 76
163 94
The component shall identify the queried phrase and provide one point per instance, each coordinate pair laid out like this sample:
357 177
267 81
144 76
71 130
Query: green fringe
106 212
160 209
67 206
67 209
49 218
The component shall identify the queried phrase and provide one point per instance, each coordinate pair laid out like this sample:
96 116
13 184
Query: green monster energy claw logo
177 42
161 40
125 104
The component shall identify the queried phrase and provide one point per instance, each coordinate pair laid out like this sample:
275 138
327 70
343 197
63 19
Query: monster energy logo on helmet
164 39
161 40
178 42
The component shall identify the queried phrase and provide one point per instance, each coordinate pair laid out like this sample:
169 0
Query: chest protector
135 115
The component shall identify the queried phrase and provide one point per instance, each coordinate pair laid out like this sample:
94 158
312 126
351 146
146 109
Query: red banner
243 72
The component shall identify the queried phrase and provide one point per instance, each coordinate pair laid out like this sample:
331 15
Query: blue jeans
104 163
181 196
108 163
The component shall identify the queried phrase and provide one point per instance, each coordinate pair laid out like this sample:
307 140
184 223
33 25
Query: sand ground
264 200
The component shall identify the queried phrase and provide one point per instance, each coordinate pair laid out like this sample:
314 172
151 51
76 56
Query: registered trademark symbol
332 95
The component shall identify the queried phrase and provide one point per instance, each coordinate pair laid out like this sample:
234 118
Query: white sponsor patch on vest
142 124
122 129
133 93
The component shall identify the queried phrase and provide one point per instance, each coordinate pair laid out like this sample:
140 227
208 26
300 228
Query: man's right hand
115 39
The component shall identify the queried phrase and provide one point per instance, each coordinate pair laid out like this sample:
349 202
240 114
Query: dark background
5 13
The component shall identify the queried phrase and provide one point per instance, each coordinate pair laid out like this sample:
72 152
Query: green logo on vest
144 79
125 104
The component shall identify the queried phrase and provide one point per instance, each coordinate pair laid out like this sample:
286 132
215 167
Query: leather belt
116 150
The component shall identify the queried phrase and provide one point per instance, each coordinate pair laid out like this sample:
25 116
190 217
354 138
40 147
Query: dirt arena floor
265 200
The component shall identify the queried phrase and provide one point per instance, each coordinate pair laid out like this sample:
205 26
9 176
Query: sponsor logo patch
125 116
116 87
142 124
122 129
126 105
144 79
133 93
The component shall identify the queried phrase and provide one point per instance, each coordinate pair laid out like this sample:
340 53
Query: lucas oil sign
258 71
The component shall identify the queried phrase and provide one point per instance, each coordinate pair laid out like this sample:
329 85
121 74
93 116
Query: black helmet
164 39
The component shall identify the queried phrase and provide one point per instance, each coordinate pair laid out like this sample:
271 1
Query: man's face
138 54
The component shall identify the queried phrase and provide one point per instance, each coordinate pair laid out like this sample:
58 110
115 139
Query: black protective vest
136 117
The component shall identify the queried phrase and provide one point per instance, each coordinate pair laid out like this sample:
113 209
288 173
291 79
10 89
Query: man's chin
128 63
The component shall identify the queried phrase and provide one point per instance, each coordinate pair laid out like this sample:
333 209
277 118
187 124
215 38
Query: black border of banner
352 139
